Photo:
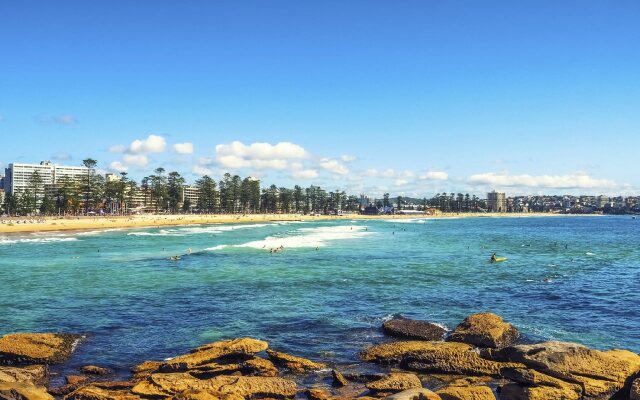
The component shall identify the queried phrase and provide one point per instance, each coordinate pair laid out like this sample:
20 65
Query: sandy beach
50 224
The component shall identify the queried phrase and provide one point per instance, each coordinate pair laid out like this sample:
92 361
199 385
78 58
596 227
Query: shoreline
63 224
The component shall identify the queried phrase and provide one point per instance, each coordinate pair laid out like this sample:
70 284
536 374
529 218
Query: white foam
309 237
53 239
218 247
589 254
407 221
196 230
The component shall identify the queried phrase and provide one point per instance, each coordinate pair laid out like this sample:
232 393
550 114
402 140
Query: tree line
165 192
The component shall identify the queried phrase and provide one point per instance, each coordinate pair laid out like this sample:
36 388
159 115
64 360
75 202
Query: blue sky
410 97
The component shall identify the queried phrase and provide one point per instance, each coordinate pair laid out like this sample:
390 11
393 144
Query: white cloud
305 174
401 182
118 166
139 160
334 166
183 148
375 173
236 155
348 158
200 170
434 176
572 181
152 144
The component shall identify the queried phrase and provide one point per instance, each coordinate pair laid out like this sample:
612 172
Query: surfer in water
494 258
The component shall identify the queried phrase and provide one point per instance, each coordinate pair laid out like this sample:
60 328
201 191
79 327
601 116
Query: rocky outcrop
293 363
36 348
634 393
435 357
95 392
33 374
466 393
95 370
23 391
211 352
338 379
531 384
413 329
485 330
167 385
317 394
395 382
599 373
206 395
414 394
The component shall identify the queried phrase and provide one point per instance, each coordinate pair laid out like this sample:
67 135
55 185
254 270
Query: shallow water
326 294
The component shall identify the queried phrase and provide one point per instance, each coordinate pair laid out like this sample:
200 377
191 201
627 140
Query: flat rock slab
414 394
214 351
395 382
485 330
413 329
36 348
23 391
466 393
600 373
34 374
293 363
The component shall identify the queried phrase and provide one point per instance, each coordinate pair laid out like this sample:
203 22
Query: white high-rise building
18 175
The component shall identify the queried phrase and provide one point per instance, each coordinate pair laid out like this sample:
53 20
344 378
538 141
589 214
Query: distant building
190 192
109 177
18 175
496 202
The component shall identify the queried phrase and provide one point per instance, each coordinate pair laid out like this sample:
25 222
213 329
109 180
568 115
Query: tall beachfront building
18 175
496 202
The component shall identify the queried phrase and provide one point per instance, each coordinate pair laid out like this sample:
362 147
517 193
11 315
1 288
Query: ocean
325 294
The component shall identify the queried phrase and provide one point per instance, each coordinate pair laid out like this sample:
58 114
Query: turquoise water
119 289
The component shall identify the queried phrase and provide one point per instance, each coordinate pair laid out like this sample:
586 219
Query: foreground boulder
436 357
34 374
600 373
97 392
466 393
293 363
635 390
395 382
485 330
167 385
214 351
531 384
414 394
36 348
413 329
23 391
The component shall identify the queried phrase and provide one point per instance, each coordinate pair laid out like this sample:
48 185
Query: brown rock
317 394
213 351
533 378
206 395
23 391
338 379
601 374
435 357
258 367
165 385
95 392
395 382
414 394
295 364
34 374
413 329
466 393
36 348
76 380
94 370
634 393
485 330
514 391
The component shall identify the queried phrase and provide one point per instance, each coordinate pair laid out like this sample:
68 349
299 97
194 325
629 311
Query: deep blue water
566 278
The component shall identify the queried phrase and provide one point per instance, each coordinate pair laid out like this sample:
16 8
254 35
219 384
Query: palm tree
90 164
